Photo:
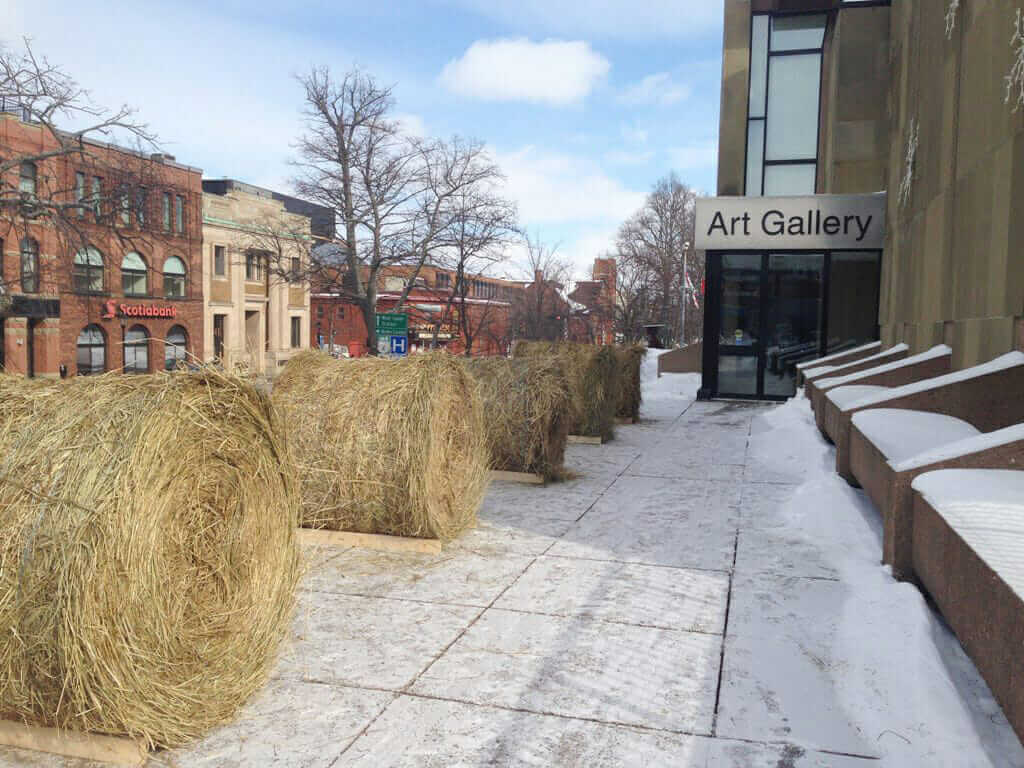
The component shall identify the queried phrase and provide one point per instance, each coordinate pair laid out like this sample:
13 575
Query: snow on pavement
705 592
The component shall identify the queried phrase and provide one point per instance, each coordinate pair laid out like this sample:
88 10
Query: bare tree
651 249
37 189
541 311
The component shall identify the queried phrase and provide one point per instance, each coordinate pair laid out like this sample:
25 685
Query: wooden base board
116 750
585 440
625 420
369 541
529 478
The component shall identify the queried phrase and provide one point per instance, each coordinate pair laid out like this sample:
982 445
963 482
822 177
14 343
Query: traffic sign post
399 345
392 324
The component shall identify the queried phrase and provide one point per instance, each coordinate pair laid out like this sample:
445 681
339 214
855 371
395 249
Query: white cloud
658 89
553 72
411 124
694 156
582 251
608 19
556 187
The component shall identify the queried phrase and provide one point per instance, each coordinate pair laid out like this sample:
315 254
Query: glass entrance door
792 317
771 315
739 338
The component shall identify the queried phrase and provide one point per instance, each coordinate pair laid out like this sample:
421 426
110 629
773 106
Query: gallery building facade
870 186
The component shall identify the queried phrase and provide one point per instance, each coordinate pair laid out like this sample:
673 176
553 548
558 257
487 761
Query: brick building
124 289
592 320
433 306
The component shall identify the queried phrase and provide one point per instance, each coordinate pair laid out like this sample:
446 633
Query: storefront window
853 299
91 351
136 350
175 348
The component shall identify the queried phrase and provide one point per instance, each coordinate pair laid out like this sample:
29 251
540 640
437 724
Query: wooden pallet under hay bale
148 556
386 447
585 440
526 478
116 750
526 405
320 537
592 373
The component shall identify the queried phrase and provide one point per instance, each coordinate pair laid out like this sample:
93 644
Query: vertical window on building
219 261
27 178
87 271
97 196
296 332
174 278
141 200
783 104
175 348
80 193
136 350
218 336
253 267
296 269
91 351
179 214
133 275
167 211
853 298
126 209
29 265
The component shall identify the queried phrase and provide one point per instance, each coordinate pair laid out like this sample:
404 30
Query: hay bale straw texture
393 447
527 410
592 373
148 557
631 359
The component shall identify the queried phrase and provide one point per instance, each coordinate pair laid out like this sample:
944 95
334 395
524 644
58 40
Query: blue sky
583 104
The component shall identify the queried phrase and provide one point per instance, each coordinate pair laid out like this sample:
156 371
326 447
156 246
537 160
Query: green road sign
392 324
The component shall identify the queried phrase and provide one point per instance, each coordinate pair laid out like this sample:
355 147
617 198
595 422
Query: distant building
123 294
593 321
256 314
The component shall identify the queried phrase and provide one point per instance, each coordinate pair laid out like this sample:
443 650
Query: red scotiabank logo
111 310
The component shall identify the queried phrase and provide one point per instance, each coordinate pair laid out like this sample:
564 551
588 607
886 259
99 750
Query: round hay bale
527 407
593 376
393 447
148 558
631 359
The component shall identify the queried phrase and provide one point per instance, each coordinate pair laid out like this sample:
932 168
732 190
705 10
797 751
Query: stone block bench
985 397
968 540
838 391
840 357
816 375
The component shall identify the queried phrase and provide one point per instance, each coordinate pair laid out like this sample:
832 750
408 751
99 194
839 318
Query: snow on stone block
981 442
809 364
900 434
935 352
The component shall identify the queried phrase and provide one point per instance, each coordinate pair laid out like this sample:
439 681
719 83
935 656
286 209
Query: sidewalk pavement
662 609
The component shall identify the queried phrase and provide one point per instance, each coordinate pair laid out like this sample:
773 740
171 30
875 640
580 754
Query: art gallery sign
803 223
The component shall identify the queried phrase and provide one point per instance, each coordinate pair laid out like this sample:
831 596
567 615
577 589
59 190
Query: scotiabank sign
112 309
805 223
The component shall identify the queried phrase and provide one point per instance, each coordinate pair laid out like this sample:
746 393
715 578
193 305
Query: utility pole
682 308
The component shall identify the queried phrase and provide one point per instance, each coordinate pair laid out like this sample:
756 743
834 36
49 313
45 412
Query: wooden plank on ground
625 420
117 750
369 541
585 440
529 478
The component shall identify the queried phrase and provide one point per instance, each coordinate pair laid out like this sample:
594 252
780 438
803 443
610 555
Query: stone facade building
824 104
255 316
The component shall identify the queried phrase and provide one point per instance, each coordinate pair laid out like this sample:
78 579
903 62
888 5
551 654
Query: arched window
87 272
136 350
175 348
133 274
174 278
91 355
29 265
